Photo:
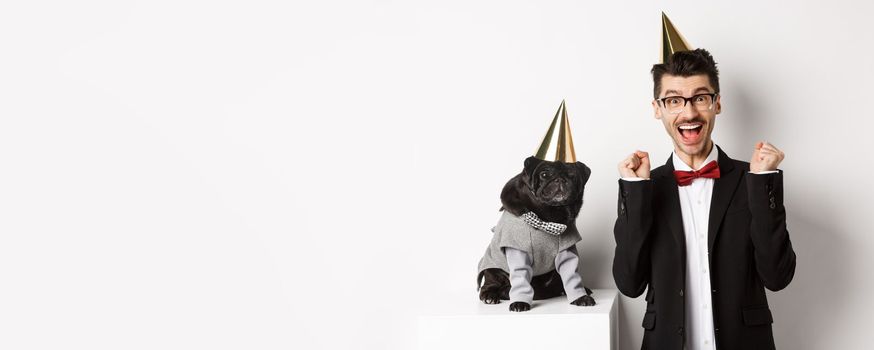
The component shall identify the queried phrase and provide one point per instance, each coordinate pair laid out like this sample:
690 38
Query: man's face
690 127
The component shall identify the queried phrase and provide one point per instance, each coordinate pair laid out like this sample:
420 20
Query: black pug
553 191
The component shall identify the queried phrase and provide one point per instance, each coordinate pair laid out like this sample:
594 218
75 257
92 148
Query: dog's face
555 183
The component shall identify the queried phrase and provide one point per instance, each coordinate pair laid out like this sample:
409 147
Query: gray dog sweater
541 247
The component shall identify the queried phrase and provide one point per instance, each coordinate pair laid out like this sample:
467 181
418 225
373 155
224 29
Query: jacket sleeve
631 262
775 259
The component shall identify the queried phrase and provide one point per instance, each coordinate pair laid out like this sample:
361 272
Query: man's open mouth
690 132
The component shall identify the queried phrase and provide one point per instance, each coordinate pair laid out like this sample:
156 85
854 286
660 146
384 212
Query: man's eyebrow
677 93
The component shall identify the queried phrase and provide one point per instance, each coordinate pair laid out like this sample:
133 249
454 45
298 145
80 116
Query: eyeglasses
675 104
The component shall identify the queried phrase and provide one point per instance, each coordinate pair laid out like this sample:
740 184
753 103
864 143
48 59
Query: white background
309 175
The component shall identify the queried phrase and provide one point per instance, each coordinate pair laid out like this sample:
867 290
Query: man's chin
697 148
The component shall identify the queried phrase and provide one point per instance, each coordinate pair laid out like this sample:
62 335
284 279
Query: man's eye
700 99
673 101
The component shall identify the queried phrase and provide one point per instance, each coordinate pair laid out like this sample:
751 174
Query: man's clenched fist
766 157
636 165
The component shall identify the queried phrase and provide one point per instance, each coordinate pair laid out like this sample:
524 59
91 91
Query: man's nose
688 110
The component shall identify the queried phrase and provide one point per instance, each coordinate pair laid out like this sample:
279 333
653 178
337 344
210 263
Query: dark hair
686 64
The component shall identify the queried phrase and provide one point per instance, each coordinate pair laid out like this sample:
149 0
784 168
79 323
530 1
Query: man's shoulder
659 171
741 165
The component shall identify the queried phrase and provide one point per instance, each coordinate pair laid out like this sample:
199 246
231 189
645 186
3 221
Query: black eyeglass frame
712 95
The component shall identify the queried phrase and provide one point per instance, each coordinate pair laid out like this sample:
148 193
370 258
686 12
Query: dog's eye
544 175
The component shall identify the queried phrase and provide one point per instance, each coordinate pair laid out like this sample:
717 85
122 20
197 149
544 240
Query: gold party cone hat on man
672 40
558 144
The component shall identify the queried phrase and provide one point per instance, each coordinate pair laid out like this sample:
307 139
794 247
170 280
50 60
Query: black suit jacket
749 250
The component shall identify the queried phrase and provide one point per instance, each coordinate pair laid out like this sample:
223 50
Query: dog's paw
520 306
490 296
585 300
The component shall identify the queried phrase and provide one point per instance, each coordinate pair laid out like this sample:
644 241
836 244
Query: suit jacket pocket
757 316
648 320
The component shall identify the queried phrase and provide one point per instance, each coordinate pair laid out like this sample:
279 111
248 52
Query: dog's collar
534 221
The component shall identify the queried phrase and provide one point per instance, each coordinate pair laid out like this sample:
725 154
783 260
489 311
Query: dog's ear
514 196
531 164
585 172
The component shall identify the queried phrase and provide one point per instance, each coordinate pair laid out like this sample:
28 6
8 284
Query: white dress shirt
695 207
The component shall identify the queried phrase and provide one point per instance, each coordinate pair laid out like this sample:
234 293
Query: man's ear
656 109
718 104
584 171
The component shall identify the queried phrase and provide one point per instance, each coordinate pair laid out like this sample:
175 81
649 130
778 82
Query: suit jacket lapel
724 189
672 195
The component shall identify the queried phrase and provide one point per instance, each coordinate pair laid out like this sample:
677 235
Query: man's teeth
689 127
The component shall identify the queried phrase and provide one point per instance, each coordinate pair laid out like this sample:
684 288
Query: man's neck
695 161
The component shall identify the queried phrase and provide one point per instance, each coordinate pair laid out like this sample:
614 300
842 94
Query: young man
703 234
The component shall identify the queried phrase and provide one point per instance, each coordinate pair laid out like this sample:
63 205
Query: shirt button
681 293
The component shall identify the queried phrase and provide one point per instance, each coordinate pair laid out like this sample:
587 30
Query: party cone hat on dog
672 40
558 145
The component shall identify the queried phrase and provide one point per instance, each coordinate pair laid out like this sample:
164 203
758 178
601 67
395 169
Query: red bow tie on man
710 171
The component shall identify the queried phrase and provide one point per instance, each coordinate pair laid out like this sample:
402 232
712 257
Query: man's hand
766 157
636 165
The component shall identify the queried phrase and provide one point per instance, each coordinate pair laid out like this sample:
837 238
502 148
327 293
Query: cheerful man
703 234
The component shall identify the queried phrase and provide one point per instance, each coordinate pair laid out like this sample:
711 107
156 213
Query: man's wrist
633 179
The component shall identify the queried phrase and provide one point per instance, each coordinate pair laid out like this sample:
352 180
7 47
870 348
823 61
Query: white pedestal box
462 321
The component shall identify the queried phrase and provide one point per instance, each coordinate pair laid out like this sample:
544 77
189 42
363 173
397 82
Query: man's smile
690 133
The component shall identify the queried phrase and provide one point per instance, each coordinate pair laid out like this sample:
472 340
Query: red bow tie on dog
710 171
